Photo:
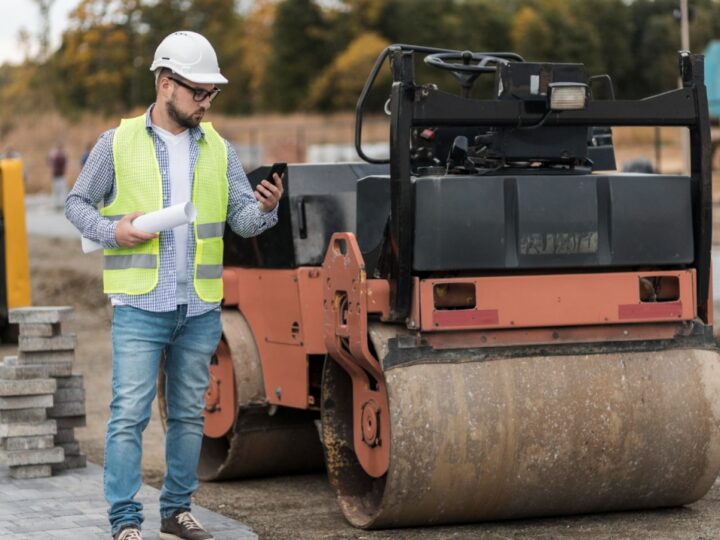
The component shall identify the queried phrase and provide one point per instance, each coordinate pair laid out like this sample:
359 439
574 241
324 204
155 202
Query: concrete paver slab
71 505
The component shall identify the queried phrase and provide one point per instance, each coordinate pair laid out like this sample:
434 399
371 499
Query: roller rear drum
477 438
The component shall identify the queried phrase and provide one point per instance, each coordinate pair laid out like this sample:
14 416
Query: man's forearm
251 221
94 184
89 222
244 214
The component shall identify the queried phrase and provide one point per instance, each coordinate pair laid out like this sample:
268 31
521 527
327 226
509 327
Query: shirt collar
196 133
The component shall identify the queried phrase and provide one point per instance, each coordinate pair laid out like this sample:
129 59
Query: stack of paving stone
68 410
28 446
44 349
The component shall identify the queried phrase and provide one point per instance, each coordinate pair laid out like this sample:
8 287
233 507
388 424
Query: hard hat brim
200 78
204 78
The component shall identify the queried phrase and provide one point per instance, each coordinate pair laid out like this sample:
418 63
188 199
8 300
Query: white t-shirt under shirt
178 150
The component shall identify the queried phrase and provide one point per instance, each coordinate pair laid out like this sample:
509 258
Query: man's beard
186 121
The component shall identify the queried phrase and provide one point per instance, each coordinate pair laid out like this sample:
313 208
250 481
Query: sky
17 14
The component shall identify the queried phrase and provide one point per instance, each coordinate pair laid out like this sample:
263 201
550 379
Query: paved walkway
71 505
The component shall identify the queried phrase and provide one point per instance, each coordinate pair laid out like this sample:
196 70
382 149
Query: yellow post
12 209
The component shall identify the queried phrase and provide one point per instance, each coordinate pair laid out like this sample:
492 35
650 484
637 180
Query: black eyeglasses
198 93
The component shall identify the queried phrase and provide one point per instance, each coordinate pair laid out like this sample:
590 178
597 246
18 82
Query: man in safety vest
165 288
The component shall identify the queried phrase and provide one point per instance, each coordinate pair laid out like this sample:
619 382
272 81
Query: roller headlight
567 96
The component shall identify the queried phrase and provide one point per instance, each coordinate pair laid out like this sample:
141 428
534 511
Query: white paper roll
155 222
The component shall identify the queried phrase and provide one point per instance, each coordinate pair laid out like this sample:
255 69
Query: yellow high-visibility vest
138 188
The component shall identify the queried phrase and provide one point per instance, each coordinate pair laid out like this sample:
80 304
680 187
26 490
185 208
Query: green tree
551 30
256 44
297 54
704 24
432 23
610 19
284 54
222 25
340 84
364 15
531 34
484 25
658 55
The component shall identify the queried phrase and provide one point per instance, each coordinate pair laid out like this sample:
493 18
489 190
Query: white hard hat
189 55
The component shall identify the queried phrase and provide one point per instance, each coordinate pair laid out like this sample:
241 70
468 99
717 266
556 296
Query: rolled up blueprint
155 222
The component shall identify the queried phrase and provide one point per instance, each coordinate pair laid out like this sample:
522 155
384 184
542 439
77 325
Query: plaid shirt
97 183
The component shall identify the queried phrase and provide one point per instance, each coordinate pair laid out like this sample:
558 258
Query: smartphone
279 168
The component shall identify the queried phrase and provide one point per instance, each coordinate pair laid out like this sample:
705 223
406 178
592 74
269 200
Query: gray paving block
63 342
15 458
40 330
69 408
59 369
26 402
71 505
28 429
86 533
71 448
41 314
74 381
22 372
71 462
35 414
10 361
64 435
63 395
38 442
23 472
69 422
45 357
27 387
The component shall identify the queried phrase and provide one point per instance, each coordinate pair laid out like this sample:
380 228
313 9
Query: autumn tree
256 44
340 84
284 55
93 66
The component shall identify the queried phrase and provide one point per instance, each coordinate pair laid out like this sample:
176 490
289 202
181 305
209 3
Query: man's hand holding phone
269 193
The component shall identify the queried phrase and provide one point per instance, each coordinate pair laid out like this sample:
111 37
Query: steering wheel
473 64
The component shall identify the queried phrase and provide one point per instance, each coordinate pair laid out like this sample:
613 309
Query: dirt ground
298 507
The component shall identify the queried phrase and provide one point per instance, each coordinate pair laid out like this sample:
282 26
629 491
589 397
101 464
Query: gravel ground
298 507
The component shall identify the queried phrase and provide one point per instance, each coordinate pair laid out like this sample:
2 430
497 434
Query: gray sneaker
182 525
131 532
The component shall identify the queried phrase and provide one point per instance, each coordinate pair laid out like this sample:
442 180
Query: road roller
492 323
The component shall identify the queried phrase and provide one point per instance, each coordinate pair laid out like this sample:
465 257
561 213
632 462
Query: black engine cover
540 222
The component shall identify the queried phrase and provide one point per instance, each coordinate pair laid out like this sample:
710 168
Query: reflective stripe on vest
210 230
119 262
209 271
138 185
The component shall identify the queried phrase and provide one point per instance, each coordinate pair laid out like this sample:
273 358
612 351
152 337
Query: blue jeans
138 339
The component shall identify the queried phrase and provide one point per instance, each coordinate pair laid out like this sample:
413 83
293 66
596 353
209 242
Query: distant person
57 160
165 289
85 155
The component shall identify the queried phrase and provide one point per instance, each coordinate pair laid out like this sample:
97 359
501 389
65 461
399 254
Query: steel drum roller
502 438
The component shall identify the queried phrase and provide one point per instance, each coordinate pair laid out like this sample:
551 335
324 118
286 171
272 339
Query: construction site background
282 57
309 55
296 138
283 104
